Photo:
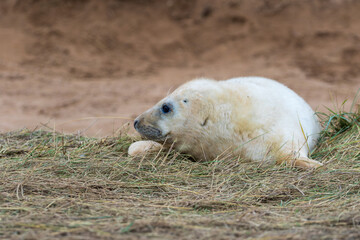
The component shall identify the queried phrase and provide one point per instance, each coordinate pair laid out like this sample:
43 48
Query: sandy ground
73 64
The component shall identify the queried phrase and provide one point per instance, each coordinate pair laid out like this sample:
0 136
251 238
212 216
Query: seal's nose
136 122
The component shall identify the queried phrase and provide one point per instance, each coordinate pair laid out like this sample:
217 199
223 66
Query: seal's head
179 117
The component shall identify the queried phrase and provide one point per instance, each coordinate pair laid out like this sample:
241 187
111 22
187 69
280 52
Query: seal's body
249 117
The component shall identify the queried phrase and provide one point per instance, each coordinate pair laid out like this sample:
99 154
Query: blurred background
70 64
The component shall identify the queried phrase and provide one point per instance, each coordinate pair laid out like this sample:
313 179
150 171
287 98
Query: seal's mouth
152 133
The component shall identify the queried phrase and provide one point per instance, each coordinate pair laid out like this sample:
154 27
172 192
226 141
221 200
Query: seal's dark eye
165 108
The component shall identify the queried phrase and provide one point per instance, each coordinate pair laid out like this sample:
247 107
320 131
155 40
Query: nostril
136 123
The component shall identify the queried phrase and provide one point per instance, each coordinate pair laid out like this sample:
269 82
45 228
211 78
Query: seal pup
249 117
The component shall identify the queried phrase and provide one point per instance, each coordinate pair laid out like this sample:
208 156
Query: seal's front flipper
306 163
141 148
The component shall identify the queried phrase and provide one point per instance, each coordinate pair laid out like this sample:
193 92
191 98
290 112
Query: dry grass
72 187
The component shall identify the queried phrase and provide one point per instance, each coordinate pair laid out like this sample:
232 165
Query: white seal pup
249 117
